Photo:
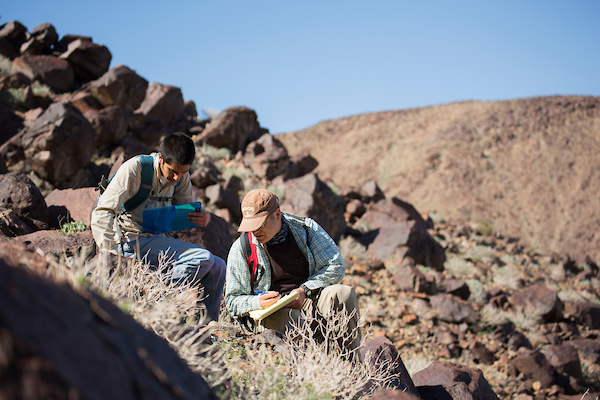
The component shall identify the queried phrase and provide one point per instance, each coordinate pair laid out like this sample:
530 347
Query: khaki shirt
107 222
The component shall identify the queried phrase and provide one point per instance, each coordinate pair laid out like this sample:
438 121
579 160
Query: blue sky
300 62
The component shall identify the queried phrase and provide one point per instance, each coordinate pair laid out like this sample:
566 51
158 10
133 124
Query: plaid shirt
325 265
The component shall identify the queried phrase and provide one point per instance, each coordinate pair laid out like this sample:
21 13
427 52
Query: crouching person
119 229
293 254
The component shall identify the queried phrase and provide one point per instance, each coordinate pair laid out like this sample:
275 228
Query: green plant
41 89
5 65
14 98
460 268
215 153
486 228
73 227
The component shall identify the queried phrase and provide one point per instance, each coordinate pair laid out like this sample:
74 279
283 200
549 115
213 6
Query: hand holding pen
267 299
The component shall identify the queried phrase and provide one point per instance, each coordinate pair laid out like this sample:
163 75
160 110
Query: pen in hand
267 299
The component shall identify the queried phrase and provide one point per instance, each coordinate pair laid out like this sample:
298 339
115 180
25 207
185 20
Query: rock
119 86
11 224
50 70
482 354
517 340
42 38
3 167
233 128
538 300
63 44
110 125
206 174
11 124
18 193
150 131
89 60
564 359
450 376
409 278
57 244
14 81
79 202
455 287
163 103
222 198
59 144
267 157
84 101
380 351
407 239
301 164
12 35
534 366
371 192
309 196
79 345
583 312
452 309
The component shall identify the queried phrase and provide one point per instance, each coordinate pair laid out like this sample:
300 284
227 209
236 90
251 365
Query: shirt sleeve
122 187
238 293
329 263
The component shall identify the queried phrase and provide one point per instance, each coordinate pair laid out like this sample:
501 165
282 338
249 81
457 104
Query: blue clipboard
169 219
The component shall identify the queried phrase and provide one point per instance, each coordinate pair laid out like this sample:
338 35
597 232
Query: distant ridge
529 167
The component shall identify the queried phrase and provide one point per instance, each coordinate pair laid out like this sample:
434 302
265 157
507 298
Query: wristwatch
308 292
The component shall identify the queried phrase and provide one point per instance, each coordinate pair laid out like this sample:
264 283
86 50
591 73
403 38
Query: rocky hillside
529 168
461 225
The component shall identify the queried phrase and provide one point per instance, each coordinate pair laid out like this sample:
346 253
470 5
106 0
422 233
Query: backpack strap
145 185
251 255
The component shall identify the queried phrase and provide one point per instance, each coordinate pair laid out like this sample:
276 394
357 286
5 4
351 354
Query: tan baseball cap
256 207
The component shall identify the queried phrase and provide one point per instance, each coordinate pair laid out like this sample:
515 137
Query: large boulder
110 125
233 129
311 197
59 143
163 103
18 193
446 380
54 72
78 202
267 157
58 343
11 124
55 243
12 35
119 86
42 38
89 60
538 301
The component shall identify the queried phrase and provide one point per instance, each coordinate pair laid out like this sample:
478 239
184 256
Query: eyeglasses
266 219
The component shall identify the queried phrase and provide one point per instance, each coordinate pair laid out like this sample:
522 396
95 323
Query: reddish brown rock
60 343
79 202
564 359
452 309
379 350
163 103
538 300
52 71
233 128
89 60
18 193
457 382
119 86
311 197
534 366
110 125
267 157
42 38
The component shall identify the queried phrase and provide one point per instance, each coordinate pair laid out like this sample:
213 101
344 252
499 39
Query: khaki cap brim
254 223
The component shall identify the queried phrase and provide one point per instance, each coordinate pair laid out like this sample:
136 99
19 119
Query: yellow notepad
285 300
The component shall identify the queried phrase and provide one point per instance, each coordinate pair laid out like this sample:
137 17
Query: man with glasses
294 254
122 232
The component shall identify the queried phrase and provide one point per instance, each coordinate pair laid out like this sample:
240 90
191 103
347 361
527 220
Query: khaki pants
332 299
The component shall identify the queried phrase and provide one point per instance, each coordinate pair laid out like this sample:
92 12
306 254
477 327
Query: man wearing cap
294 254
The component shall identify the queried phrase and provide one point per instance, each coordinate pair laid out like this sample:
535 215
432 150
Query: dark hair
178 148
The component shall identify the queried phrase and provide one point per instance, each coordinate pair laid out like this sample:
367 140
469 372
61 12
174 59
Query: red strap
252 259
